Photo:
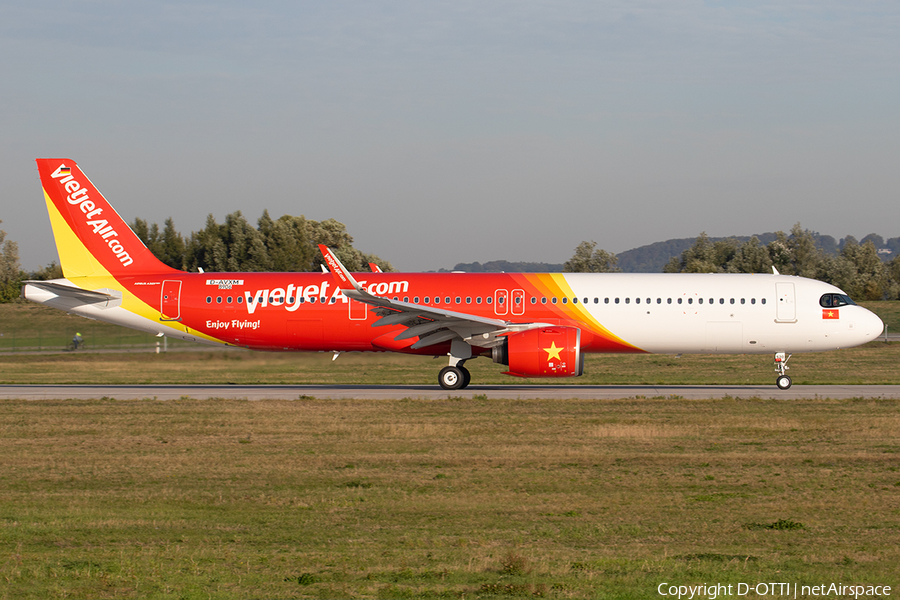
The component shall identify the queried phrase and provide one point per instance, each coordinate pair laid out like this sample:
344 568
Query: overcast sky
446 132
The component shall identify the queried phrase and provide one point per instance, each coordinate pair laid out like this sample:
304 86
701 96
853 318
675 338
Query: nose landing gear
783 381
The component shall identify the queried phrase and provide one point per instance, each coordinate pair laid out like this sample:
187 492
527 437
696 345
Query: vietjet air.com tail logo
78 194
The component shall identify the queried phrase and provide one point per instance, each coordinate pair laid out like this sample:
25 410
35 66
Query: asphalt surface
341 392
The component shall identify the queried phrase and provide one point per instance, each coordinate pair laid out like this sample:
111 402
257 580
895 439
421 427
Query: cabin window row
501 300
629 300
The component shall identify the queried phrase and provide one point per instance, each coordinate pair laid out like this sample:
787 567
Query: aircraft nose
870 326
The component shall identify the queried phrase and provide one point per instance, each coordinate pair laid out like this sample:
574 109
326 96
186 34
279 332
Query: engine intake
544 352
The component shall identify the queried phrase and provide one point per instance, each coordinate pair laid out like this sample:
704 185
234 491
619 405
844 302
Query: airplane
536 324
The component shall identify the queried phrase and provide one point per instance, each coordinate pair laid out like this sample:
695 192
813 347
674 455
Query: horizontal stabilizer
86 296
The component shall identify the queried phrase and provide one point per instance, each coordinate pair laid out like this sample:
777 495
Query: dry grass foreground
458 498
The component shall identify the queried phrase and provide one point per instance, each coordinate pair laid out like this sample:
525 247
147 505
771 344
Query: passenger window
763 300
680 301
489 300
752 300
427 299
732 300
668 301
690 300
477 299
617 300
637 300
447 300
209 299
219 299
553 300
544 300
743 301
596 300
406 298
533 300
240 299
606 301
627 300
699 300
518 300
565 300
415 299
468 299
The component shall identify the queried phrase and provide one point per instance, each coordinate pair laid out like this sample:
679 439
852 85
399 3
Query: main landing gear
456 376
783 381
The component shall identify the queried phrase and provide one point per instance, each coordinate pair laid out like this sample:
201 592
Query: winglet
375 268
342 276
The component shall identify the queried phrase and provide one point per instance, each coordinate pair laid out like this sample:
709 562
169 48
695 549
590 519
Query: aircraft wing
430 324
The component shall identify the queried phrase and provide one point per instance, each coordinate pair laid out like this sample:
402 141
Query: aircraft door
518 302
170 301
359 311
501 302
785 308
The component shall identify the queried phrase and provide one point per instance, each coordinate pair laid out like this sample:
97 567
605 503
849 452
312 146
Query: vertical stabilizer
91 238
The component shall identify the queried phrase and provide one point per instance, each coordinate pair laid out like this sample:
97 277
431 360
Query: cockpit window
835 300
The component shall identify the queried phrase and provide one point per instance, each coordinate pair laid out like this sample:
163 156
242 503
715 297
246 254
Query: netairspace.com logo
779 589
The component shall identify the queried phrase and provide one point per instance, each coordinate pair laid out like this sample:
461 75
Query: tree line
856 268
286 244
290 244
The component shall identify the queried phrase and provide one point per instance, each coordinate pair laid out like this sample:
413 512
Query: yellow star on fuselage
553 351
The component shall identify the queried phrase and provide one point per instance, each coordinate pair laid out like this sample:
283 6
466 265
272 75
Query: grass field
458 498
443 499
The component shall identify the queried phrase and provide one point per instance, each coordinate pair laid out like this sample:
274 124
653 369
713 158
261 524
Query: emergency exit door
170 301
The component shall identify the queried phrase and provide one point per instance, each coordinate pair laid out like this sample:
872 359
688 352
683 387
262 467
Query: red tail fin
91 238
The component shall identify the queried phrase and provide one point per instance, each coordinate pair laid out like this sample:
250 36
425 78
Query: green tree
10 274
867 277
590 259
705 256
750 257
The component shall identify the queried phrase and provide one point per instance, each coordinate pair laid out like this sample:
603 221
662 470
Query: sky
444 132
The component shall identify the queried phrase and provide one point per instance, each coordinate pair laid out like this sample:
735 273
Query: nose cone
869 326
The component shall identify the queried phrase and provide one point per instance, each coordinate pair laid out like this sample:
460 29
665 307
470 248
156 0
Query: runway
361 392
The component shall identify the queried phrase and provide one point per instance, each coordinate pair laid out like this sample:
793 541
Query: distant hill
653 257
505 266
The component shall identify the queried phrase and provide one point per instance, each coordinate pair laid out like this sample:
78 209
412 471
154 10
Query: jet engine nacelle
544 352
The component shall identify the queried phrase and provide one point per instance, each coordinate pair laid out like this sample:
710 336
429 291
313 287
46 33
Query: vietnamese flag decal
830 313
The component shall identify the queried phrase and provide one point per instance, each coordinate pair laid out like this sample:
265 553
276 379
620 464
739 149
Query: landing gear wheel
467 378
783 382
451 378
